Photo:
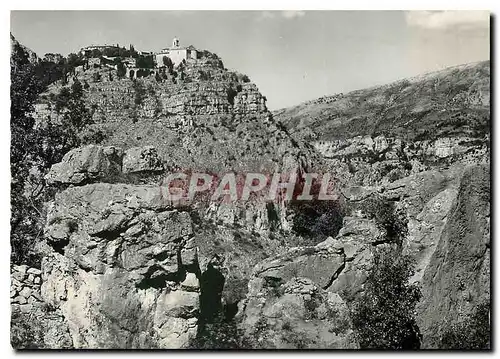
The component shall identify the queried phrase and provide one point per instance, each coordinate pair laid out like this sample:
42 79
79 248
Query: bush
121 70
471 333
96 77
383 316
317 219
220 334
231 94
387 216
26 331
140 92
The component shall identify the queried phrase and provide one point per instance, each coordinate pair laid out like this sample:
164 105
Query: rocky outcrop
142 159
295 300
87 164
109 164
457 279
122 267
295 313
368 161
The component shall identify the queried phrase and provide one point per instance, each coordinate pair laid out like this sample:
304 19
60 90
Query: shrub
383 316
139 92
387 216
220 334
231 94
26 331
121 70
471 333
167 62
96 77
317 219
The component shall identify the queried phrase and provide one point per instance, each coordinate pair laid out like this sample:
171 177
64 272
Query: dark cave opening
59 246
211 285
217 327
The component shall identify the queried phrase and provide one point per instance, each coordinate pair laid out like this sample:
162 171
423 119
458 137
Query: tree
96 77
145 62
35 148
139 92
317 219
74 60
158 77
121 70
387 217
77 89
167 62
384 315
24 90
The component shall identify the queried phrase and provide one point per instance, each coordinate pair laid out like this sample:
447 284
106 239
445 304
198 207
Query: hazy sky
292 56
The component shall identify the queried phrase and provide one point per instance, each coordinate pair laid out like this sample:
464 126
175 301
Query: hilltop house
176 53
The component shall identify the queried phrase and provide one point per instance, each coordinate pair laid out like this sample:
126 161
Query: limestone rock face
141 159
295 299
457 278
85 164
118 273
295 314
368 161
320 264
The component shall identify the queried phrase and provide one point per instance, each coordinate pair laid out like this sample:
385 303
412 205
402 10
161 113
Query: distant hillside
451 102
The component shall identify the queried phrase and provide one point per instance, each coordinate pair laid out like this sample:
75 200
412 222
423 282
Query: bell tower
175 42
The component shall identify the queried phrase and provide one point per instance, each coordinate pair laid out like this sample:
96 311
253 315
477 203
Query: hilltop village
135 64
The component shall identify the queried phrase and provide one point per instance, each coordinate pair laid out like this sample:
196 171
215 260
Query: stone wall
25 286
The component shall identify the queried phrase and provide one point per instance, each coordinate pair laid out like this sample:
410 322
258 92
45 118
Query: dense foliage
384 315
24 90
387 216
473 332
36 147
317 219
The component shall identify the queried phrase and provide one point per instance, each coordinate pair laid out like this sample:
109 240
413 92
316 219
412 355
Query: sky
292 56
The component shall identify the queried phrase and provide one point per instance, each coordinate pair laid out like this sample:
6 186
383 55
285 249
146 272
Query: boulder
87 164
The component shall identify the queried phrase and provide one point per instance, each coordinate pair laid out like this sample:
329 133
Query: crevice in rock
217 327
59 246
153 280
109 235
211 286
230 310
337 272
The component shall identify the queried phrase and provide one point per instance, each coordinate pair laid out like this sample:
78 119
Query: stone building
176 53
87 51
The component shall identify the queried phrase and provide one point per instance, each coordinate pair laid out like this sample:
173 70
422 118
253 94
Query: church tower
175 43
